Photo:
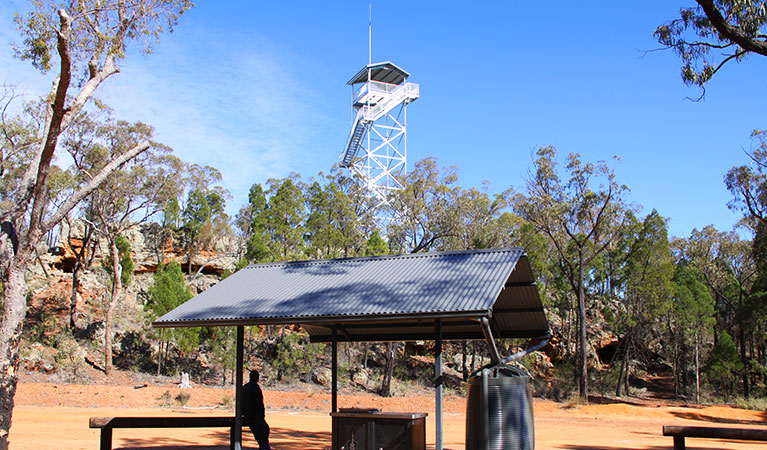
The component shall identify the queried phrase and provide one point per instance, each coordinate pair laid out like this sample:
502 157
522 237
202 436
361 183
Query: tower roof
385 72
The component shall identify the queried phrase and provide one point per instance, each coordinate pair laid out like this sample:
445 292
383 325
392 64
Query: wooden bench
107 424
741 434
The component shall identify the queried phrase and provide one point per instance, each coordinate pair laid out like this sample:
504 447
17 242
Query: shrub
183 398
296 355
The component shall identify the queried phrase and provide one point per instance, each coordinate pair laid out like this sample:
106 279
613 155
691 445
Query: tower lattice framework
376 149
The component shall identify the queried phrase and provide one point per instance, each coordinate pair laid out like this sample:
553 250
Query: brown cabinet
371 429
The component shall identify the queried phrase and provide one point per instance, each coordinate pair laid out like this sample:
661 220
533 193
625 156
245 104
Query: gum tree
713 33
580 217
82 43
131 196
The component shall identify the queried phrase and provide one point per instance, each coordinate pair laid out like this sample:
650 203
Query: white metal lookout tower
376 148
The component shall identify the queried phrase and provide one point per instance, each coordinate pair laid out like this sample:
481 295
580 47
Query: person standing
253 412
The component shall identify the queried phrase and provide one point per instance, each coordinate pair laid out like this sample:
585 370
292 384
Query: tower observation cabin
376 149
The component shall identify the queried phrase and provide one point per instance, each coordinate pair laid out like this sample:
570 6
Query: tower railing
373 86
405 93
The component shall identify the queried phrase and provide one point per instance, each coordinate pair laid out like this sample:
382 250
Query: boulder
361 377
322 376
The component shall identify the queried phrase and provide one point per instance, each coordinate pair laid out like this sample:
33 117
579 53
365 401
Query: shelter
480 294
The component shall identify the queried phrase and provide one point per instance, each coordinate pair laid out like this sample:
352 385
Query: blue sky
257 90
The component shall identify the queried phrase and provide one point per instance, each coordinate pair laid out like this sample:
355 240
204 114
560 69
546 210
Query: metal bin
499 410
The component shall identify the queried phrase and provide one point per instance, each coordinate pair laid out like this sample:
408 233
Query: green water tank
499 410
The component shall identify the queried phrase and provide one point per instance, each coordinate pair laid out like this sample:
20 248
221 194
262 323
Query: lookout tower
376 149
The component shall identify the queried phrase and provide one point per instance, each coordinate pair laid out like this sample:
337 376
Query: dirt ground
55 416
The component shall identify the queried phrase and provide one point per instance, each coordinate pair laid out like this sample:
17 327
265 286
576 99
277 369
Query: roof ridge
383 257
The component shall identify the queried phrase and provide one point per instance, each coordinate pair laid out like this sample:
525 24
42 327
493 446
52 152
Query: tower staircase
368 113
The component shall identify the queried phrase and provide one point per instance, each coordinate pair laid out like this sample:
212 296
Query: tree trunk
627 368
464 369
79 263
159 357
388 369
73 297
116 290
744 360
620 374
582 369
14 310
697 372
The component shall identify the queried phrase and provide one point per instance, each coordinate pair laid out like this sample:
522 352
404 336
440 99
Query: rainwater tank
499 410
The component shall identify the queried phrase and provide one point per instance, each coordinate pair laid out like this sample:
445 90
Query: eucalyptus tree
257 211
167 292
646 284
332 230
376 245
19 137
713 33
363 206
131 196
285 225
692 316
580 217
748 183
424 213
754 313
726 264
203 217
85 40
477 225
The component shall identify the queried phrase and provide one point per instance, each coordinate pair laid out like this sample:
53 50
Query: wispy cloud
236 105
237 102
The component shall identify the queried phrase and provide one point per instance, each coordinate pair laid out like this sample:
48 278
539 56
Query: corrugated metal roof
378 298
385 72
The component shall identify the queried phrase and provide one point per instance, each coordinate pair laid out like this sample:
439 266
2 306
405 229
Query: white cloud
237 106
237 103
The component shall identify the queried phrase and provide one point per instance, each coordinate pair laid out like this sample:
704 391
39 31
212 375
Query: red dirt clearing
49 416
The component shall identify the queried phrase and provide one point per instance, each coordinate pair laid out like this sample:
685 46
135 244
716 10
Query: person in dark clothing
253 411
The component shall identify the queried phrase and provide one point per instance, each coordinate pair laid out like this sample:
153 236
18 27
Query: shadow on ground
706 418
649 447
281 439
602 400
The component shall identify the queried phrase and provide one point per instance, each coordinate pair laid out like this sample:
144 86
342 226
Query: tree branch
92 185
734 34
57 112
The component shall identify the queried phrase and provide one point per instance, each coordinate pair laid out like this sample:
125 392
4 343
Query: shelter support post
495 357
438 382
237 432
334 370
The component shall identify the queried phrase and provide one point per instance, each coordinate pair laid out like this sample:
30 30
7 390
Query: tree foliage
168 292
423 210
713 33
748 183
85 41
126 261
580 217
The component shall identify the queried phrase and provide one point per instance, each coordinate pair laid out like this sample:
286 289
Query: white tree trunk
14 310
582 369
116 290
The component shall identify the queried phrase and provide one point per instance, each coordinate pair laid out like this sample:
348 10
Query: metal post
237 435
438 382
334 370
